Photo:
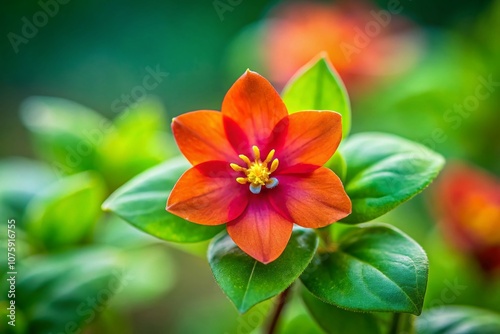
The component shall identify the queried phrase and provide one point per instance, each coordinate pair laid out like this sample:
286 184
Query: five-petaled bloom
258 169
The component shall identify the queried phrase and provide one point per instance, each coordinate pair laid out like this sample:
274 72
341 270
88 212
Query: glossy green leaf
335 320
65 133
64 213
142 201
374 268
138 141
317 86
384 171
248 282
458 319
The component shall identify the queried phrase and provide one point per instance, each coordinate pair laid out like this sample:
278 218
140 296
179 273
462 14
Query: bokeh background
87 91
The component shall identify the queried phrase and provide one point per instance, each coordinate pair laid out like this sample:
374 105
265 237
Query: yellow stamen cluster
257 173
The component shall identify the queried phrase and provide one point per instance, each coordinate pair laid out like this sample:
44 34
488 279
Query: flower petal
208 194
260 231
311 200
312 138
201 137
255 106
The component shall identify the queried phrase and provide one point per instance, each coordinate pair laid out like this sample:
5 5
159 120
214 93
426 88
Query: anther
274 165
245 159
273 182
237 168
255 189
256 153
269 157
241 180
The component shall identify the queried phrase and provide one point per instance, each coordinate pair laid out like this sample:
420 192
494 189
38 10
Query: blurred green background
61 159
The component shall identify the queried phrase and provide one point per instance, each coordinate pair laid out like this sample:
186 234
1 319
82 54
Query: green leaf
64 213
142 201
317 86
138 141
384 171
458 319
248 282
65 133
375 268
335 320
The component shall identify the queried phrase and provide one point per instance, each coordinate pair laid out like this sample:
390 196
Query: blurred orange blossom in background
363 42
468 206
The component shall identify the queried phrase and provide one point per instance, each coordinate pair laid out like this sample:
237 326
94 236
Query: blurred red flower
361 40
468 204
258 169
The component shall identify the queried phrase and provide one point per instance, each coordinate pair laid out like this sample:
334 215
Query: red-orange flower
258 169
468 203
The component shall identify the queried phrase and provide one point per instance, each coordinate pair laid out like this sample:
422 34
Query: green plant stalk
282 299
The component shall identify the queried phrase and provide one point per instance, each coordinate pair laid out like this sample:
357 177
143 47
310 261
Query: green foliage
65 212
138 141
374 268
246 281
142 201
458 319
65 291
150 272
384 171
317 86
64 132
74 138
335 320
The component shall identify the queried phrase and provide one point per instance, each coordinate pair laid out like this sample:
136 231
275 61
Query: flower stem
278 310
395 324
402 323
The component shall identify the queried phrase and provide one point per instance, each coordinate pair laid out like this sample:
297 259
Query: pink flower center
257 173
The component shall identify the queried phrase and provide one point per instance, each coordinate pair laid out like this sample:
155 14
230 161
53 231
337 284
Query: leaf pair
375 268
